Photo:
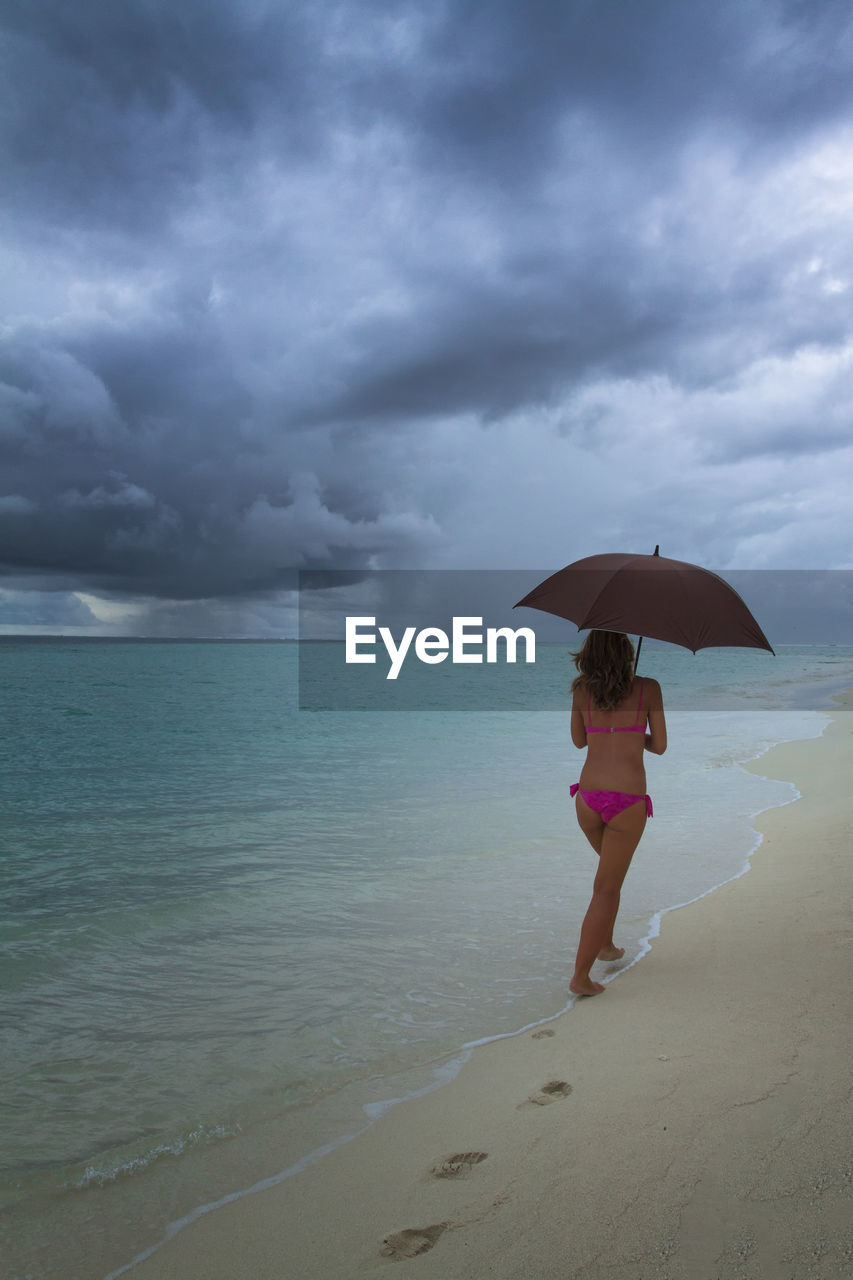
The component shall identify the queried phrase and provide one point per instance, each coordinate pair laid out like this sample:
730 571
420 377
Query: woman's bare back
616 739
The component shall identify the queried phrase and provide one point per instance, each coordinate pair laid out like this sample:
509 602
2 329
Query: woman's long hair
606 666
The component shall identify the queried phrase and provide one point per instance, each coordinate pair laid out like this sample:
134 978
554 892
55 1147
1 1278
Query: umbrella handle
640 638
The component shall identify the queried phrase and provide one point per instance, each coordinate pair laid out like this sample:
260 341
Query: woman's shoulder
651 688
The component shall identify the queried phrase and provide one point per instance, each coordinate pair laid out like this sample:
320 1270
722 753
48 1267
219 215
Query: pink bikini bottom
609 803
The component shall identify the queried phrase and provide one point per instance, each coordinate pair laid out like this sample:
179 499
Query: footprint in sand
541 1035
553 1091
411 1241
459 1165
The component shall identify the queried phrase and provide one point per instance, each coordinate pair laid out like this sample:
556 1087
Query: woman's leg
593 826
619 839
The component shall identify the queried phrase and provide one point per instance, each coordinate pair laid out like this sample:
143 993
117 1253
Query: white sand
693 1122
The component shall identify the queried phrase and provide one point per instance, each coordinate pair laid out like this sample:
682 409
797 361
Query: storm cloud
364 285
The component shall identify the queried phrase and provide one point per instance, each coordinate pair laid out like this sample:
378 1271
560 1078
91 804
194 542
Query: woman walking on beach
611 710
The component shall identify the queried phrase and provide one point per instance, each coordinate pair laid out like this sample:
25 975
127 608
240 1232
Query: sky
415 284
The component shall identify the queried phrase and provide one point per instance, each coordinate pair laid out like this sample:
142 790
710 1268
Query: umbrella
649 596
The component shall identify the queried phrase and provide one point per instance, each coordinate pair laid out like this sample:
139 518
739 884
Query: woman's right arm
656 737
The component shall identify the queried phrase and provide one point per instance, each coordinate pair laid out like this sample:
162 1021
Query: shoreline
203 1246
443 1069
265 1155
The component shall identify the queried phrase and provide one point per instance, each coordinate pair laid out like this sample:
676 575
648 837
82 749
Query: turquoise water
221 913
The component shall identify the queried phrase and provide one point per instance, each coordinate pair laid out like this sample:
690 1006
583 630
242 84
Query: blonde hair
606 666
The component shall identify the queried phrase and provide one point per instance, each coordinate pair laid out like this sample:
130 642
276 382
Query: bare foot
611 953
585 987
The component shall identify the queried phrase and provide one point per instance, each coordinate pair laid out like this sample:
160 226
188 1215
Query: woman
610 712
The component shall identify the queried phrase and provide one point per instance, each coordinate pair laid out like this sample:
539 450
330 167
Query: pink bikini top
639 727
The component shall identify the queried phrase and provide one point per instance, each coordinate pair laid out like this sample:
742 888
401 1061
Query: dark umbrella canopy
649 596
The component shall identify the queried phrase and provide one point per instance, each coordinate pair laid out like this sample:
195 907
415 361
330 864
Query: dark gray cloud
367 285
113 110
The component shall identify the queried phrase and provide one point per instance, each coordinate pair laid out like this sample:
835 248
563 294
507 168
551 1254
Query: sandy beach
693 1121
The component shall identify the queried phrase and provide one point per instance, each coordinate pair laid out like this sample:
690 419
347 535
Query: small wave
95 1176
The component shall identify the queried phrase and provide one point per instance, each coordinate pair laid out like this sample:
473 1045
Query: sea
234 929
